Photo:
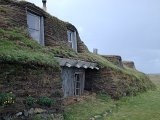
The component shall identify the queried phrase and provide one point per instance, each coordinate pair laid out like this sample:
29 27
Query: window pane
78 77
35 35
33 21
71 36
69 33
77 92
78 85
72 39
70 44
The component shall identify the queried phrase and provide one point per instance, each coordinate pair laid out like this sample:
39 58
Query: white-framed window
36 27
72 39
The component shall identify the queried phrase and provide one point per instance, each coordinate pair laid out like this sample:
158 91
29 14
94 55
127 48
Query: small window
36 27
78 84
72 39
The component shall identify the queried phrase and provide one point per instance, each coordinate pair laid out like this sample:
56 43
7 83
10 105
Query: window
78 84
72 39
36 27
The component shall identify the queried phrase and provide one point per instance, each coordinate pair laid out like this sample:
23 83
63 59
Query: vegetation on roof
17 47
66 52
133 81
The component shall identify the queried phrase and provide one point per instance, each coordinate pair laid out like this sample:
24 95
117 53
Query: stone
52 115
58 117
97 116
52 111
78 99
19 114
6 118
92 119
31 111
39 110
105 114
124 94
25 112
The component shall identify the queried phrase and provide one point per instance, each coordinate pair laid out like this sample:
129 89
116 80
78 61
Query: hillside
144 106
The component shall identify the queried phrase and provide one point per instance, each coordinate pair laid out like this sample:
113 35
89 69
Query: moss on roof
17 47
133 74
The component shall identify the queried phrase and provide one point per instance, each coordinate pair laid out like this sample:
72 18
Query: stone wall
115 59
101 81
24 81
129 64
13 14
115 83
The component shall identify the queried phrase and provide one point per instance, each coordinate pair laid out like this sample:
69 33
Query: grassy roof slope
16 47
126 80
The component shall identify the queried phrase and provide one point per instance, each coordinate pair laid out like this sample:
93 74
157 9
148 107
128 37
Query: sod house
49 31
43 56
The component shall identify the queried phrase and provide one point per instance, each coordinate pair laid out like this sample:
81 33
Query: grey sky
130 28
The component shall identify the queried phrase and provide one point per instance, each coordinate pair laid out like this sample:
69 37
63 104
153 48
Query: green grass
16 47
87 108
145 106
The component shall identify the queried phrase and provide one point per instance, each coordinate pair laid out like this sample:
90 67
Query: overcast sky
129 28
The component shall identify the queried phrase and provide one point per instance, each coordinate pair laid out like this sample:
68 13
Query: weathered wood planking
68 77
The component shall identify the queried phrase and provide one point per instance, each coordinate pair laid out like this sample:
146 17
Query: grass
16 47
144 106
85 109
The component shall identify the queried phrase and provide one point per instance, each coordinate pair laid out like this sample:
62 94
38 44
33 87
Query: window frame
41 26
80 82
72 39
